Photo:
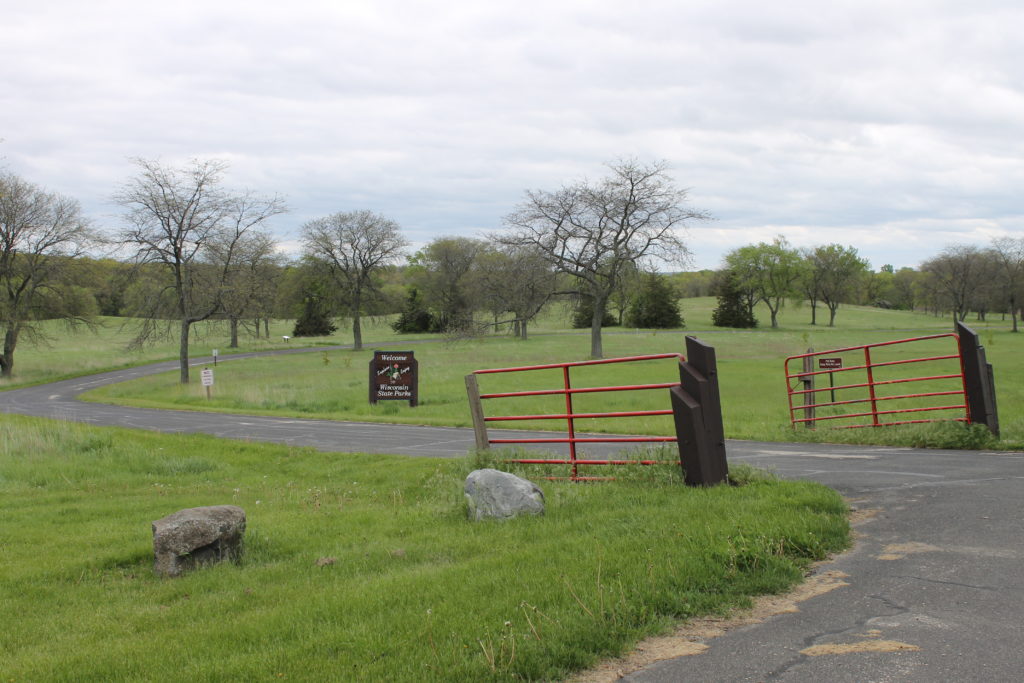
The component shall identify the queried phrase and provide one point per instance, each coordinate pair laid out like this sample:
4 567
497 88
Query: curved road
932 591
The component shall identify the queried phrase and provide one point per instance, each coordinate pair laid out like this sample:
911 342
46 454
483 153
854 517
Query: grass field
68 351
363 567
333 384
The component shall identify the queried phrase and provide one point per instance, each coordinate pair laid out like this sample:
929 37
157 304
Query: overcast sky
894 127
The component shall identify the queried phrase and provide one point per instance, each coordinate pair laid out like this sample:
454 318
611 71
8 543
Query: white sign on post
207 375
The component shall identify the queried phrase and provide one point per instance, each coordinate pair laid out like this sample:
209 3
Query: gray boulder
196 536
500 495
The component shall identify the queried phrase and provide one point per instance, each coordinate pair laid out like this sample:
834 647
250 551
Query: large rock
196 536
501 495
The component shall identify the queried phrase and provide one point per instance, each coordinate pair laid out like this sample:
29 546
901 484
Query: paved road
934 586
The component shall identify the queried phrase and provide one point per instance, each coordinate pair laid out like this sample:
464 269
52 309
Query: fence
933 378
568 416
695 409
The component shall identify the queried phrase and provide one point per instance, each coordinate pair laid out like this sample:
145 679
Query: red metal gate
873 381
568 415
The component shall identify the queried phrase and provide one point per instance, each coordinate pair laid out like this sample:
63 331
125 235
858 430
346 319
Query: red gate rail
866 385
570 416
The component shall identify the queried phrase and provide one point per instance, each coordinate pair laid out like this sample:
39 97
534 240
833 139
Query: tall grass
363 567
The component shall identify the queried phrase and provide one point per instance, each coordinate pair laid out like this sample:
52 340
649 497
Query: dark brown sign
394 376
830 363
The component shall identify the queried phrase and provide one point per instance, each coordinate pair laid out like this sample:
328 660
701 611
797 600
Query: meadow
364 567
333 384
360 567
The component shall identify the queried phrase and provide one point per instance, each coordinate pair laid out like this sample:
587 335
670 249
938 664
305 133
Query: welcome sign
394 376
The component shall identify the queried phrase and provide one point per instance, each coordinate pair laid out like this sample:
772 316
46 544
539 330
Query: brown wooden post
809 398
476 411
697 409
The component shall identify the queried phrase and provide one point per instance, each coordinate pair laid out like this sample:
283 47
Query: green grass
333 385
65 351
414 592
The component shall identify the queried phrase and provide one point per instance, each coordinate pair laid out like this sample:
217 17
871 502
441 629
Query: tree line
959 280
193 250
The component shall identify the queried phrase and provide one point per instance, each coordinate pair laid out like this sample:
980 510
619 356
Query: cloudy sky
894 127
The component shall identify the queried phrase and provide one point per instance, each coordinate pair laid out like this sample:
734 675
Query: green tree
415 317
443 272
315 318
771 271
733 309
583 314
839 272
655 305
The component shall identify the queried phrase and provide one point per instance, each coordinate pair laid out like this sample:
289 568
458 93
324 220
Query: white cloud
891 127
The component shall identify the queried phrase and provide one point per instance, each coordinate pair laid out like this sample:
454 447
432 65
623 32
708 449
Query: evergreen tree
732 310
655 305
415 317
314 321
583 317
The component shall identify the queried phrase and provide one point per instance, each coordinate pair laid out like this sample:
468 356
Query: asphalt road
932 591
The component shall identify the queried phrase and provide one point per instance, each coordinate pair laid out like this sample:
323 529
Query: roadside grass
362 567
334 384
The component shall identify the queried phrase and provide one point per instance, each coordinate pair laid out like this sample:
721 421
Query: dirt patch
858 517
862 646
898 551
688 639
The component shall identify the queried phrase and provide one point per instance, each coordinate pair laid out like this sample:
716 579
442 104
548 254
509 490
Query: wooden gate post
476 411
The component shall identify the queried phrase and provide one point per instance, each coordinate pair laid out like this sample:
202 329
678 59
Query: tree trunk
234 334
256 327
814 312
522 329
596 350
832 315
186 326
357 328
7 359
266 327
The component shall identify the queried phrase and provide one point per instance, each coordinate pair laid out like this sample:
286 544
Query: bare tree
956 273
1008 252
354 245
41 235
185 222
517 280
593 231
249 288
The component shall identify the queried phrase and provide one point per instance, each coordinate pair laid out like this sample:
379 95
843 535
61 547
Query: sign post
394 376
215 357
831 364
207 377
